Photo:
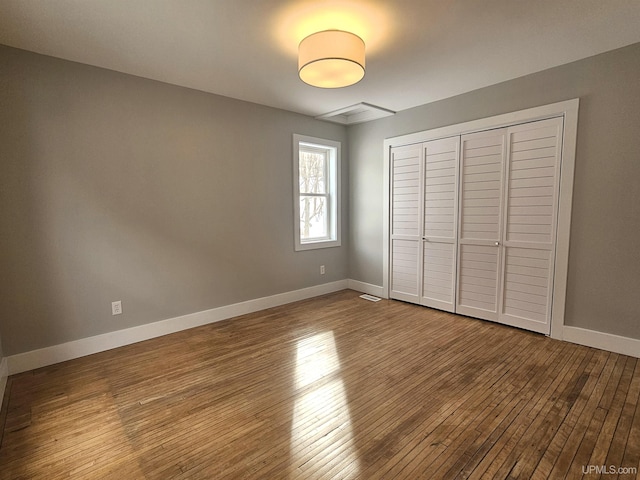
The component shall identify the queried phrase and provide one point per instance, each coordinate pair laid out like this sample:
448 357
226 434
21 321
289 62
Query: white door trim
567 109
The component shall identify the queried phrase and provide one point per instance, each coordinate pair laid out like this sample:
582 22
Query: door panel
481 192
531 193
404 269
478 281
439 275
406 211
441 163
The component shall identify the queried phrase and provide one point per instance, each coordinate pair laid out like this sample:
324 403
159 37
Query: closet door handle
497 244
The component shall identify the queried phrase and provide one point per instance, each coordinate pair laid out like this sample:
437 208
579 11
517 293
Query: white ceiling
418 51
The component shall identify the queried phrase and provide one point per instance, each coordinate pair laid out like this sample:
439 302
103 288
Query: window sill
317 245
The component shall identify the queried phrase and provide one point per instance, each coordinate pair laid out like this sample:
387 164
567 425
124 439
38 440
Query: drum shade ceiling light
331 59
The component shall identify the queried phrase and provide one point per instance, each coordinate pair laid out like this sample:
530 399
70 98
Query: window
316 183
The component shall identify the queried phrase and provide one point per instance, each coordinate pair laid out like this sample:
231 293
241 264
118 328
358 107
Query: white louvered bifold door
479 234
530 216
440 223
406 210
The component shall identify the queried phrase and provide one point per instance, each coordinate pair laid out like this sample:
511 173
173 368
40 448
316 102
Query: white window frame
333 238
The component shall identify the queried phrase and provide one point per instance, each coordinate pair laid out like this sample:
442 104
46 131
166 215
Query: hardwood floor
332 387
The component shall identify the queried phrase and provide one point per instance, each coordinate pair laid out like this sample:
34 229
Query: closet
473 221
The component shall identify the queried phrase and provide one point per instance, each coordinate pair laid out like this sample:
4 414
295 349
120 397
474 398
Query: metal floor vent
371 298
358 113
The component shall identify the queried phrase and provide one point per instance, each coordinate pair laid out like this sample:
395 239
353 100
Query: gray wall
115 187
175 201
604 264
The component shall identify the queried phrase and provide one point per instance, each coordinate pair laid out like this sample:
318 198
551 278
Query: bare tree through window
316 185
313 192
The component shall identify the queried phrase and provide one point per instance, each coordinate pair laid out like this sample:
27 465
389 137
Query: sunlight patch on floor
321 435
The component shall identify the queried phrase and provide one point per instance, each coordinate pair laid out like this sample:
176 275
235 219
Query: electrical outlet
321 269
116 308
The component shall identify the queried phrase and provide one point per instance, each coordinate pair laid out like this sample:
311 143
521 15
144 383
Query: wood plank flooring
332 387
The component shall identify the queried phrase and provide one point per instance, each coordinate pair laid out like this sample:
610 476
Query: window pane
316 185
312 171
313 218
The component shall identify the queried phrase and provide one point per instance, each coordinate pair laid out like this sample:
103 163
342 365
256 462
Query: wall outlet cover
116 308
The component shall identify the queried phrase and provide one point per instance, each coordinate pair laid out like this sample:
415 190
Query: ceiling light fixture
331 59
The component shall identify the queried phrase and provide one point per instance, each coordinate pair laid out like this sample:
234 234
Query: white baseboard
603 341
363 287
26 361
4 373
